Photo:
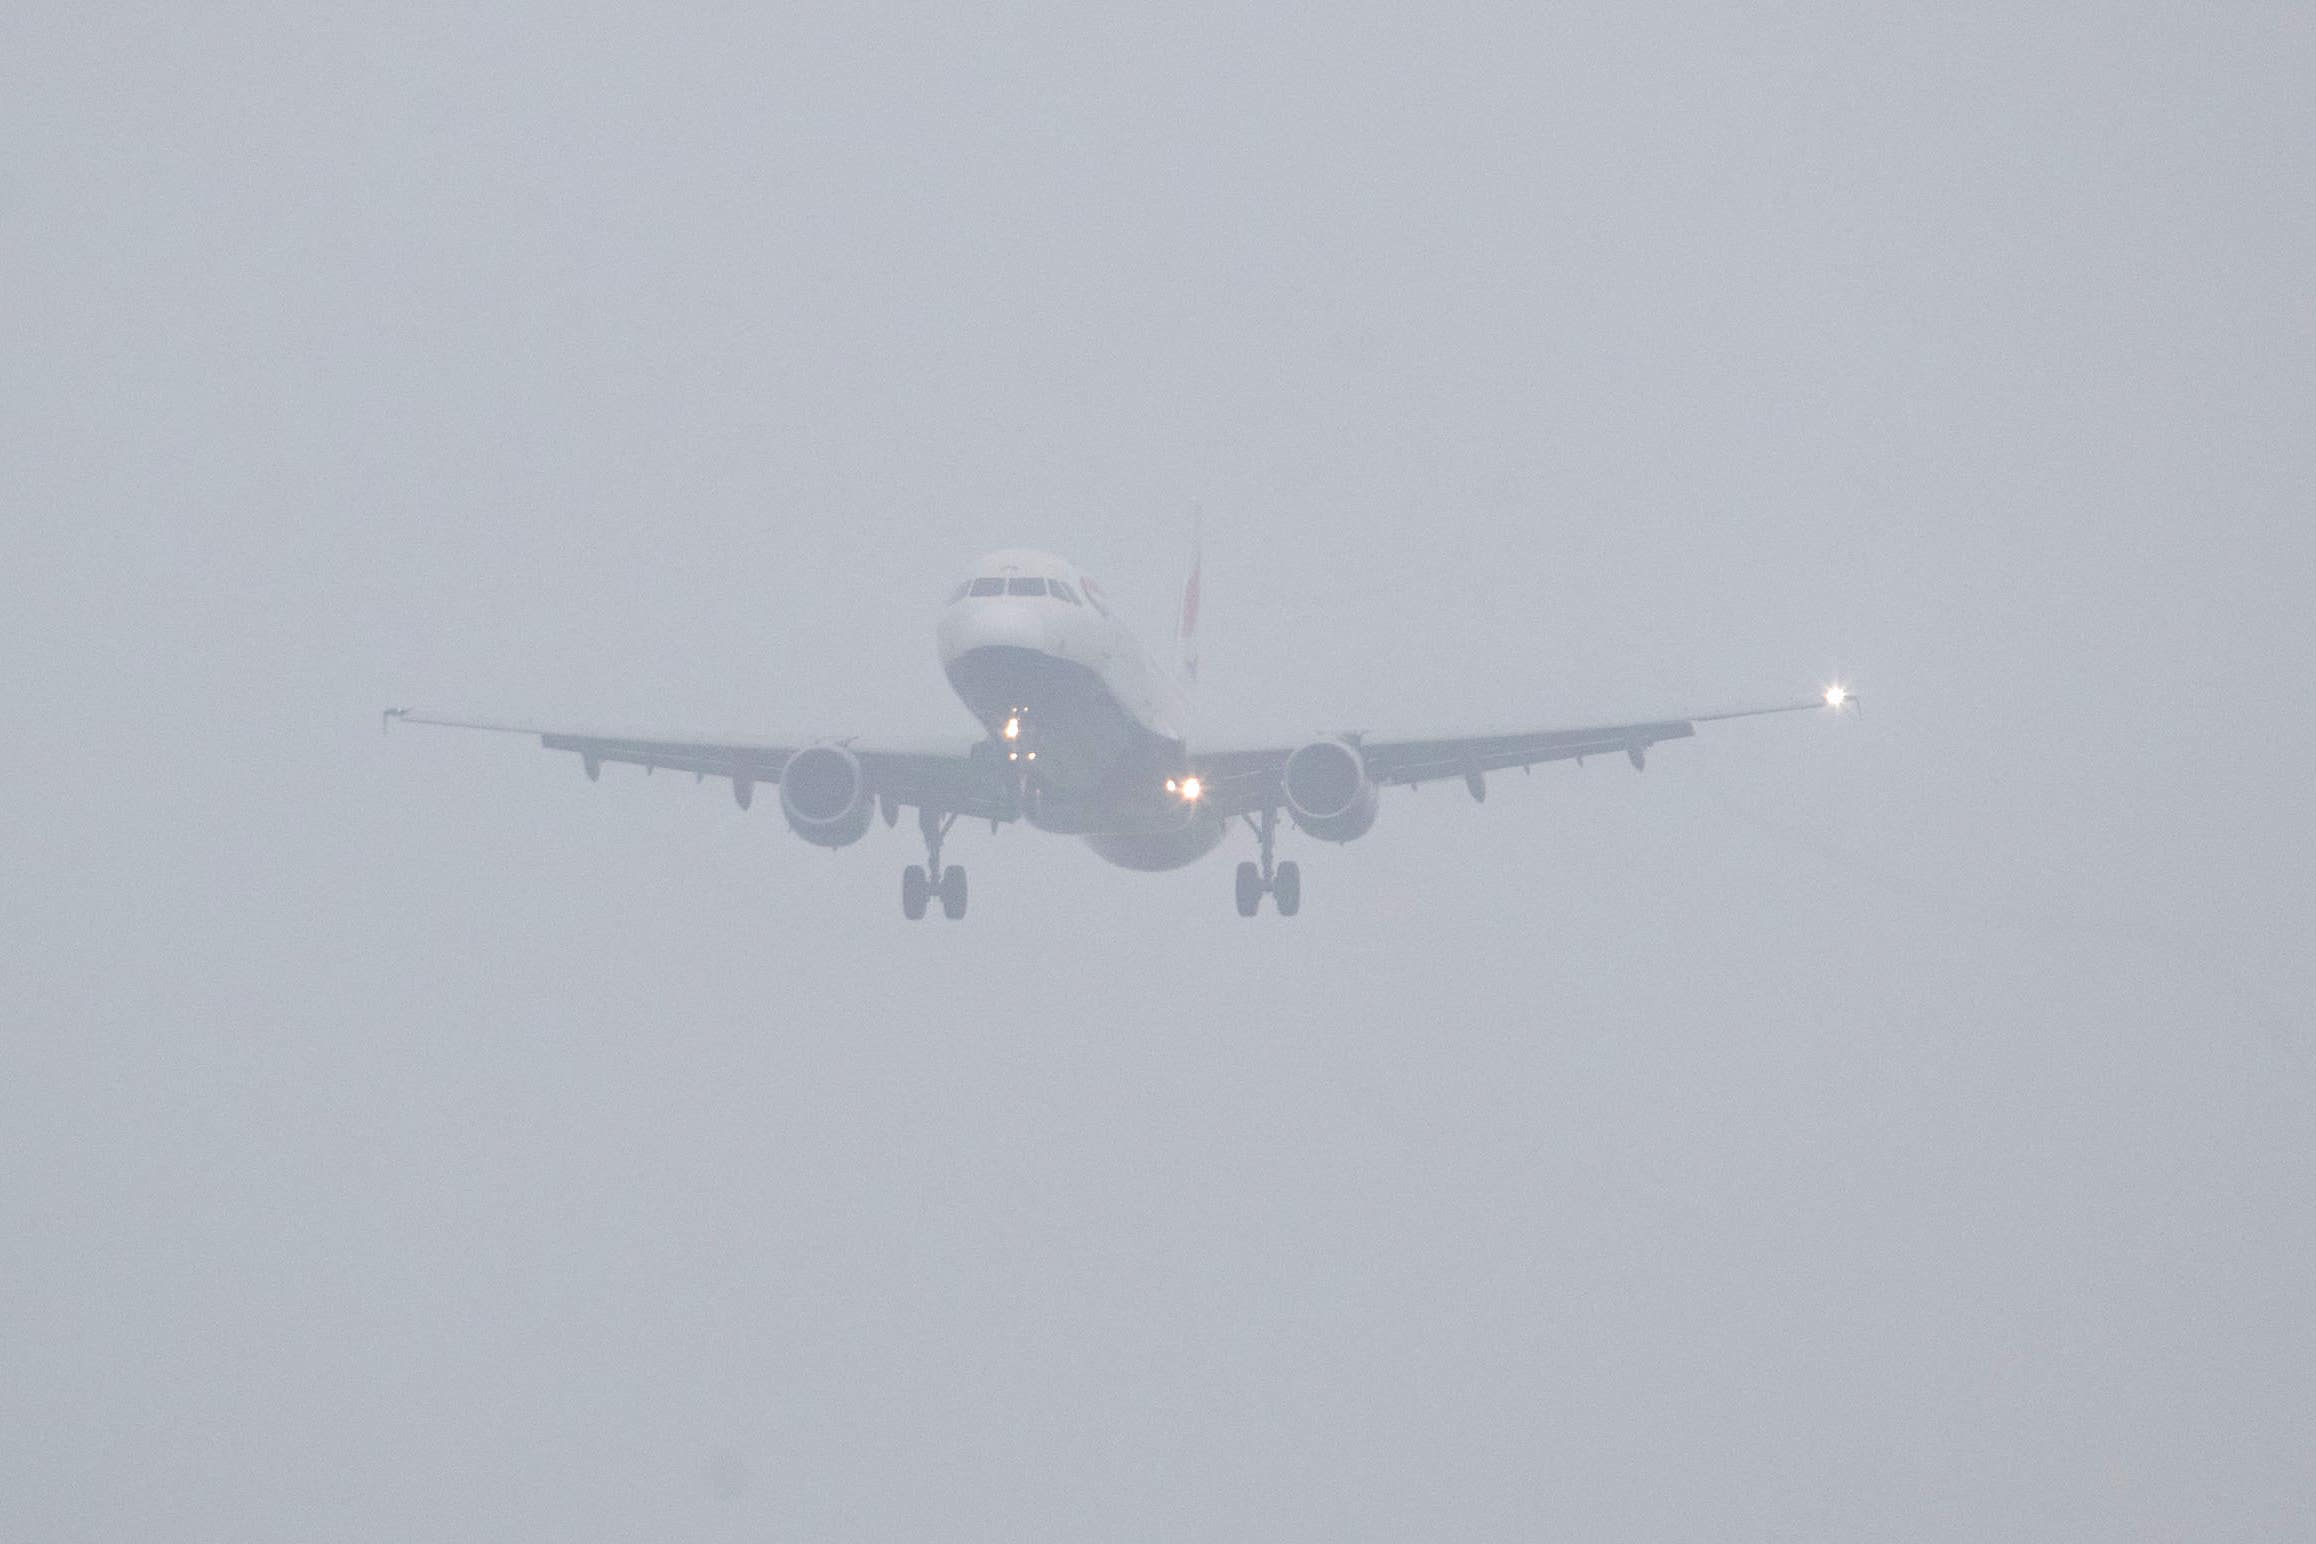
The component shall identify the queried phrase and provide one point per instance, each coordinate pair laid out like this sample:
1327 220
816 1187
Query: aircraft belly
1088 766
1159 848
1067 717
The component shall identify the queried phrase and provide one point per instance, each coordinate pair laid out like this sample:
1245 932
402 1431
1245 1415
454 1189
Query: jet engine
1328 791
825 795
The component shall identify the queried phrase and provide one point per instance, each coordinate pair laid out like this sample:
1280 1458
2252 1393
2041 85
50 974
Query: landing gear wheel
916 890
953 891
1287 888
1250 889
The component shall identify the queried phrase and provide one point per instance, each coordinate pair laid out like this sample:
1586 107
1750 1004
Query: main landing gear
920 884
1282 882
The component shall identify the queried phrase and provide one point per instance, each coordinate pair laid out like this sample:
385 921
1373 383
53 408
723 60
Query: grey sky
1896 1128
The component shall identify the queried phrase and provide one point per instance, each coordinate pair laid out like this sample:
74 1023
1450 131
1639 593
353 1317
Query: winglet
1186 628
387 718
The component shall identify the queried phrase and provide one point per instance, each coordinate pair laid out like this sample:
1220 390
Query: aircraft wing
946 778
1244 782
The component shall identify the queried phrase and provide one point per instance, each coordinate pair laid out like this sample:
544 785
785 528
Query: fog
1890 1127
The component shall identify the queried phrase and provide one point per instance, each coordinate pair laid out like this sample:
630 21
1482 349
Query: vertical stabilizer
1186 626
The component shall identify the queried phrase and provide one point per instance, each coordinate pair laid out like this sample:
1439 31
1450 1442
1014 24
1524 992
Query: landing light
1013 728
1191 789
1835 696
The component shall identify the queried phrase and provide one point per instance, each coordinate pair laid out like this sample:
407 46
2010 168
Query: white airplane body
1086 734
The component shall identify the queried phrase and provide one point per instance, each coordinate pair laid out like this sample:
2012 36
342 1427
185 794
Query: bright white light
1835 696
1172 786
1013 729
1191 789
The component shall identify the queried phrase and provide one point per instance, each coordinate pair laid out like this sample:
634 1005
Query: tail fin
1186 628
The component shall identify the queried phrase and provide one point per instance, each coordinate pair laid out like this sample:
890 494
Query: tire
953 891
1287 889
915 892
1250 889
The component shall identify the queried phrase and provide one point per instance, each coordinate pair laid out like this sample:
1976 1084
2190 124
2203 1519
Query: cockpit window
1062 591
988 587
1025 586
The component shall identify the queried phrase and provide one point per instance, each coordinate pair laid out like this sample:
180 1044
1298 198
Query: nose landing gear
1282 882
921 883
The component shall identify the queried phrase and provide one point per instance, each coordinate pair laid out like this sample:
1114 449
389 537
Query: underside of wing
1240 782
947 778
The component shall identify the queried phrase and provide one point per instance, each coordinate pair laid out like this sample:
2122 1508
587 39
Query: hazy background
1896 1128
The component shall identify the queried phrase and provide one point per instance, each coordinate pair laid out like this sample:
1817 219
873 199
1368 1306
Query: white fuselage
1090 725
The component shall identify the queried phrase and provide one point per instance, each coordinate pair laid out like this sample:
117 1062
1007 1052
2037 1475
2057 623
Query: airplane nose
990 624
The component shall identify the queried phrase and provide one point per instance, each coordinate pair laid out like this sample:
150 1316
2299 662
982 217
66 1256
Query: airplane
1086 734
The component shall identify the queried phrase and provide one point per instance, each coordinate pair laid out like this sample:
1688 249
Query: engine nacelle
825 795
1329 794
